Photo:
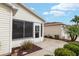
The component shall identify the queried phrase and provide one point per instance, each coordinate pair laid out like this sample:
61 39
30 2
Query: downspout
13 12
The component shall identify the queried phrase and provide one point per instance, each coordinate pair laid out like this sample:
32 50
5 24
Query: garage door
5 18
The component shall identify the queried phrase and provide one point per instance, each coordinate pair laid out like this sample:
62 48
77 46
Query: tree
75 20
73 31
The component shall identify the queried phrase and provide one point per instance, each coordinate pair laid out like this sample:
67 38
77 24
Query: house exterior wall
64 33
55 30
52 30
5 28
25 15
6 17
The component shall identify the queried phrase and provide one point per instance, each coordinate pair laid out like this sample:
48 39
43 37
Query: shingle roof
53 24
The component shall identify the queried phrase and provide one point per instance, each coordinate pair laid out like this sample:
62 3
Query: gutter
14 9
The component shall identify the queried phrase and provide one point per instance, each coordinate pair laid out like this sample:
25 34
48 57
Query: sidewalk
48 45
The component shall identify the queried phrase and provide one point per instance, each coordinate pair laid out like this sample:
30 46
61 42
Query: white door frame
39 38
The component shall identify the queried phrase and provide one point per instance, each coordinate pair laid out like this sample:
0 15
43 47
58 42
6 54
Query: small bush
64 52
56 36
75 43
48 55
50 37
45 36
72 47
27 45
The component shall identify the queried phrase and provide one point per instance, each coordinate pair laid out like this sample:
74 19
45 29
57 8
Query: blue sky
55 12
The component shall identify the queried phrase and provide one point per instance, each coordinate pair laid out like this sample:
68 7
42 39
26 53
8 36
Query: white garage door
5 18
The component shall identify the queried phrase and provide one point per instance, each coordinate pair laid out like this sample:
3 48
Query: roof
14 9
10 5
53 24
27 8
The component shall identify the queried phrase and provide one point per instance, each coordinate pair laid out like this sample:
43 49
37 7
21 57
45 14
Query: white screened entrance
37 32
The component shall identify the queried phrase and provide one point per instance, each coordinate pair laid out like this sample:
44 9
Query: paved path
48 45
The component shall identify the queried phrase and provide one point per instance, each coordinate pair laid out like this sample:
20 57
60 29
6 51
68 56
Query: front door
37 30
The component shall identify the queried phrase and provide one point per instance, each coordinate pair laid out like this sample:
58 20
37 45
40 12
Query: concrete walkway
48 45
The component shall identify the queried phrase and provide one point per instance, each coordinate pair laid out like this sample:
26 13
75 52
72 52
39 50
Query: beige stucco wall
55 30
23 14
5 28
64 33
52 30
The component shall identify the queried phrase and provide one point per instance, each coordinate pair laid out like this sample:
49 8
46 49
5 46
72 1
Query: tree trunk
73 38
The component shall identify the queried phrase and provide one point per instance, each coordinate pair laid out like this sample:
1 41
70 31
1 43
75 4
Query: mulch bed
24 52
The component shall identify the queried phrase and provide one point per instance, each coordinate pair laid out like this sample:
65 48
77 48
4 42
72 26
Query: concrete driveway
48 45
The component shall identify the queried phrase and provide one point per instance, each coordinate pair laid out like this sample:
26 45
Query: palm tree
76 19
73 31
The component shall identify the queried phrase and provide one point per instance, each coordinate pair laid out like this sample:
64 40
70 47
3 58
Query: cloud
54 13
32 8
62 8
45 13
57 13
66 6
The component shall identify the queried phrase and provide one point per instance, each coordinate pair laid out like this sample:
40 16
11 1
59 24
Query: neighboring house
55 29
18 24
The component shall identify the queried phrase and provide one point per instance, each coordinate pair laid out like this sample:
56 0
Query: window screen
17 29
36 31
41 30
22 29
28 29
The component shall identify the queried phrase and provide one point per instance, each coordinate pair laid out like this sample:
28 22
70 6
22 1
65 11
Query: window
28 29
17 29
22 29
36 31
41 30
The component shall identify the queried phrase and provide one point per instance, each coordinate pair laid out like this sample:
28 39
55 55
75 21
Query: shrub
64 52
48 55
56 36
27 45
75 43
50 37
72 47
45 36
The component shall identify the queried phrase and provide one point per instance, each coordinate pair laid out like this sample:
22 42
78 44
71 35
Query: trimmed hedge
73 48
64 52
75 43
